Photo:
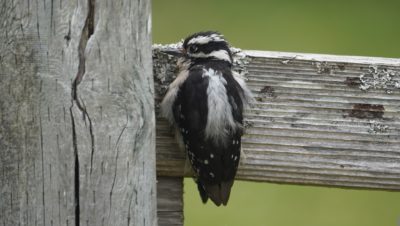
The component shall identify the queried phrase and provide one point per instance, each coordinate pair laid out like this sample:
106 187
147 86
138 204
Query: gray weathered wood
318 119
77 113
170 201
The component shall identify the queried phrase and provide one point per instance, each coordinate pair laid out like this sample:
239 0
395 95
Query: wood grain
77 113
318 120
170 201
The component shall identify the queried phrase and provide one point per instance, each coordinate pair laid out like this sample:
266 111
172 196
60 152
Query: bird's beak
174 52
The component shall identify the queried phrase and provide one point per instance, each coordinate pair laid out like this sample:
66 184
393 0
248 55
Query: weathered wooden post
77 126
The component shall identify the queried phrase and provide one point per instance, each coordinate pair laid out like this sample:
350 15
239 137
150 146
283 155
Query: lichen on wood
380 78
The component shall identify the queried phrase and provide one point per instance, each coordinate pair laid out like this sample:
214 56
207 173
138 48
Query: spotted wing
214 164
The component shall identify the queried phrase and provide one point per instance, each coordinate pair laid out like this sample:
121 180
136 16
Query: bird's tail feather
218 193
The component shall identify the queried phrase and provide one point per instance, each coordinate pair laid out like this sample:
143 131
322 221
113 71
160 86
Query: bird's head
204 46
207 45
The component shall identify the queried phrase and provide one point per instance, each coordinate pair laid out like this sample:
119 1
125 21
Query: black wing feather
215 166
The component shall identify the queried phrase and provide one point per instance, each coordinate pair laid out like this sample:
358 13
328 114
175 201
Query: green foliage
368 28
259 204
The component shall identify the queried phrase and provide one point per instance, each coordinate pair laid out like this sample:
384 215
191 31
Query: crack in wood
42 155
76 164
115 170
87 32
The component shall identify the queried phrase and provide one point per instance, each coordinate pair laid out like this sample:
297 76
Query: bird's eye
193 49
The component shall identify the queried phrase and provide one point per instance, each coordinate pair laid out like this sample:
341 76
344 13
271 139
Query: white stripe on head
206 39
218 54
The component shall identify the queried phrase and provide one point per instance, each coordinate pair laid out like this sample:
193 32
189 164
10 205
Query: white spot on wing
211 155
206 162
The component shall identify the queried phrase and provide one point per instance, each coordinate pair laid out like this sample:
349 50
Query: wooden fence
77 122
319 120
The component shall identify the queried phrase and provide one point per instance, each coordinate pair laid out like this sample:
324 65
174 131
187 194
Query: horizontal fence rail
317 120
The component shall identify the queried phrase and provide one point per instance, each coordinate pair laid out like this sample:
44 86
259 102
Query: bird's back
205 102
211 128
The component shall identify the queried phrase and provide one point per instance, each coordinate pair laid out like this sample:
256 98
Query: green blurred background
367 28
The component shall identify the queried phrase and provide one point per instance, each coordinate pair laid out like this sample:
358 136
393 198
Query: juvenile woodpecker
205 103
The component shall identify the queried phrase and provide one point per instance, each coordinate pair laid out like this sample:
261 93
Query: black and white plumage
205 102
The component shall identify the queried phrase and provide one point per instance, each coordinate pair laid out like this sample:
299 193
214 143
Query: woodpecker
205 103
